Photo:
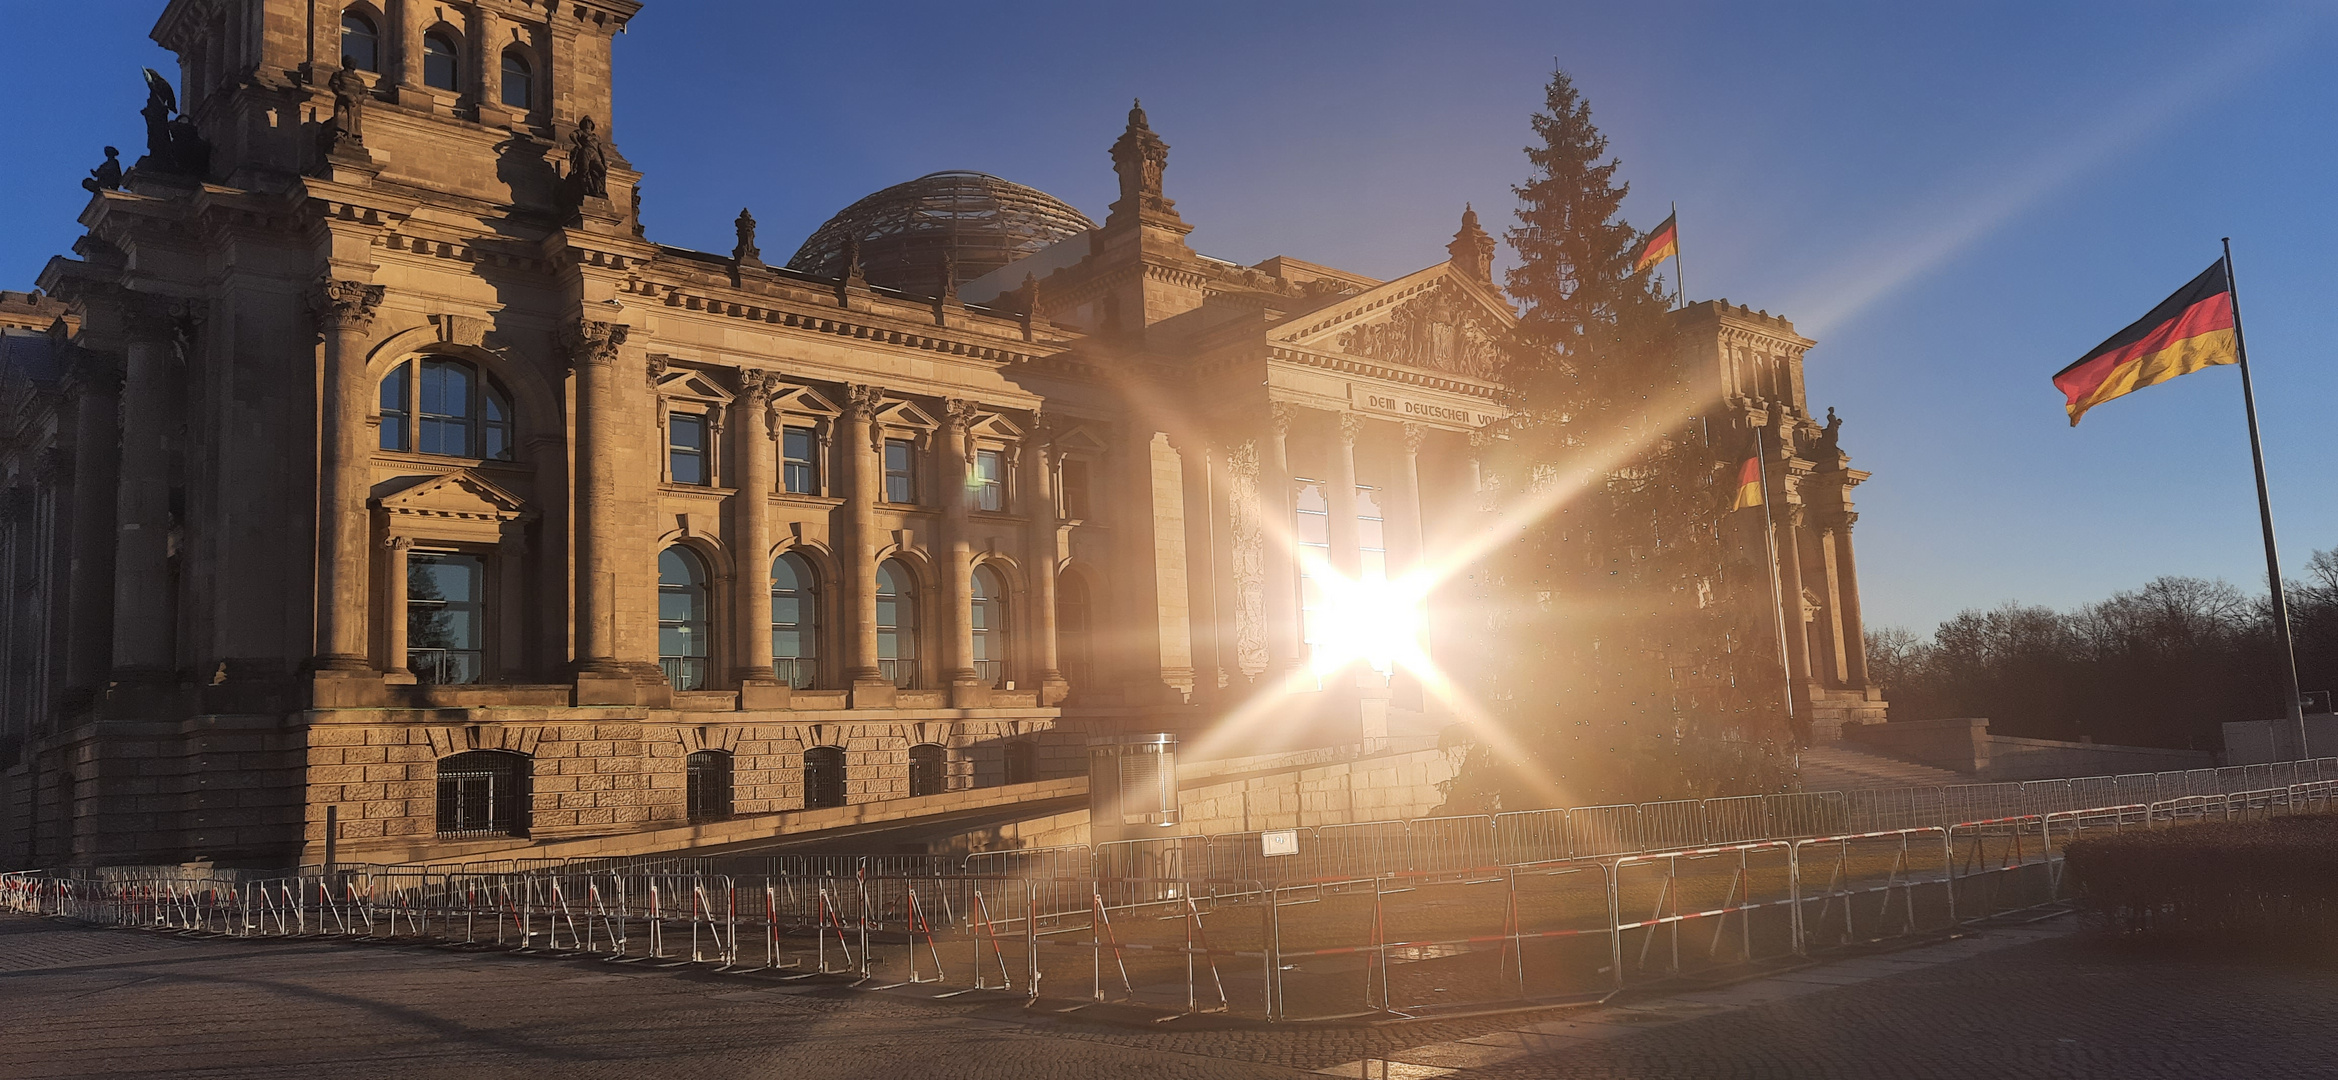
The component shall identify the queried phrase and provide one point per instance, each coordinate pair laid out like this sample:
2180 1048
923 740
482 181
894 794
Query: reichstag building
365 455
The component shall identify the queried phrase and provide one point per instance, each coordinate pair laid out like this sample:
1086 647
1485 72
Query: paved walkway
2034 1002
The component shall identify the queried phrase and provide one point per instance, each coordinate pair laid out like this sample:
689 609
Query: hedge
2273 879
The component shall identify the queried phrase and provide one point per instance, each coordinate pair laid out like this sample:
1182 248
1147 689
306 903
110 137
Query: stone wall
1965 745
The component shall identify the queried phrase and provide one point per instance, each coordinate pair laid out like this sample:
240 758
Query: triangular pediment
693 385
461 495
802 400
996 426
903 414
1438 319
1078 437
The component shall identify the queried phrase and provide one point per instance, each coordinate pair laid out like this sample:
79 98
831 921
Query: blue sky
1955 200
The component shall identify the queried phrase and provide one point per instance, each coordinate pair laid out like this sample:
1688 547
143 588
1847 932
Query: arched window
438 61
990 627
823 777
461 412
483 793
1022 761
361 47
1072 636
926 775
446 617
897 624
519 80
708 785
682 624
795 622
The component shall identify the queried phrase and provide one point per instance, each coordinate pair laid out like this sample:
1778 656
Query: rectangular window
445 618
686 447
990 480
900 471
394 409
799 461
1075 489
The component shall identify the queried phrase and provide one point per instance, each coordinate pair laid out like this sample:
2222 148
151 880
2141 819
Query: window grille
927 775
483 793
823 777
707 785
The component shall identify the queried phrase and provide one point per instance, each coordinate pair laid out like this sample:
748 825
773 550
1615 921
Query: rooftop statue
106 177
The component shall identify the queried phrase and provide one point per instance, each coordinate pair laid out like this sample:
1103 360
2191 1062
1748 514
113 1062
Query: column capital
1351 424
861 400
1414 436
1279 415
94 372
589 342
755 386
344 305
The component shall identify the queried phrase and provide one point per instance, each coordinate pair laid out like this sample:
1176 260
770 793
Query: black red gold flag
1749 484
2188 331
1661 244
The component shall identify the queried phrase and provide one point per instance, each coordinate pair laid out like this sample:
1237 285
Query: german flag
1749 484
1657 246
2188 331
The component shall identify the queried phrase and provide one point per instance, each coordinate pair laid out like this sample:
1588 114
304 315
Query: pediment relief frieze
1440 329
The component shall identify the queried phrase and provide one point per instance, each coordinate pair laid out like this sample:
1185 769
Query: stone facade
371 452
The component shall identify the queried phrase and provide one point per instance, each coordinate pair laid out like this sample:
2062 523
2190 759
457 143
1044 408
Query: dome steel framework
909 233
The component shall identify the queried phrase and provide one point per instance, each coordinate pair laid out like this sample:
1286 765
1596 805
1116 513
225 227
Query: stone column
592 347
954 453
1347 555
1195 466
1854 627
751 595
1831 594
1408 550
1040 460
394 597
344 311
858 553
97 388
1284 649
1229 468
1790 570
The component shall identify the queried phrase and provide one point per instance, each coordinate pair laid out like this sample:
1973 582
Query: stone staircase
1839 766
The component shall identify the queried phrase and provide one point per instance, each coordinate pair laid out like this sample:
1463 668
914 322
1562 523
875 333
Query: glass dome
910 232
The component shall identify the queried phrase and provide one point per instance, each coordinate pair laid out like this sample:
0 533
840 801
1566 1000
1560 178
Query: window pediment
803 401
458 505
689 384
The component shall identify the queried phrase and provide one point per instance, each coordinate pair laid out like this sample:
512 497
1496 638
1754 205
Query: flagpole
2297 717
1777 598
1680 279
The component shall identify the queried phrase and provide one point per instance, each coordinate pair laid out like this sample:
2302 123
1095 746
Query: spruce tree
1607 655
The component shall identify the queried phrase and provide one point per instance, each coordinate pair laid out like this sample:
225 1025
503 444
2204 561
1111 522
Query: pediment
461 495
1438 319
692 384
802 400
995 426
903 414
1079 438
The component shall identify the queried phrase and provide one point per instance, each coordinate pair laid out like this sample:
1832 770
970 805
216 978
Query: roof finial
1139 157
1472 251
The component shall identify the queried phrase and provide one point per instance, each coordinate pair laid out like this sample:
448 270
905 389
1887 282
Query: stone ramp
1843 767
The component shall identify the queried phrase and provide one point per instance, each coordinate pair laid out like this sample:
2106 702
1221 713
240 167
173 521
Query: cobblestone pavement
78 1002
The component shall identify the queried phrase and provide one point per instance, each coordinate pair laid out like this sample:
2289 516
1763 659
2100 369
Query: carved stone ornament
746 251
344 305
1438 330
654 368
1350 426
862 401
1279 415
1414 436
592 342
344 130
755 386
588 161
94 372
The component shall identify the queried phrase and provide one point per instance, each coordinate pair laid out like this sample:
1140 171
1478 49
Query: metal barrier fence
1430 934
